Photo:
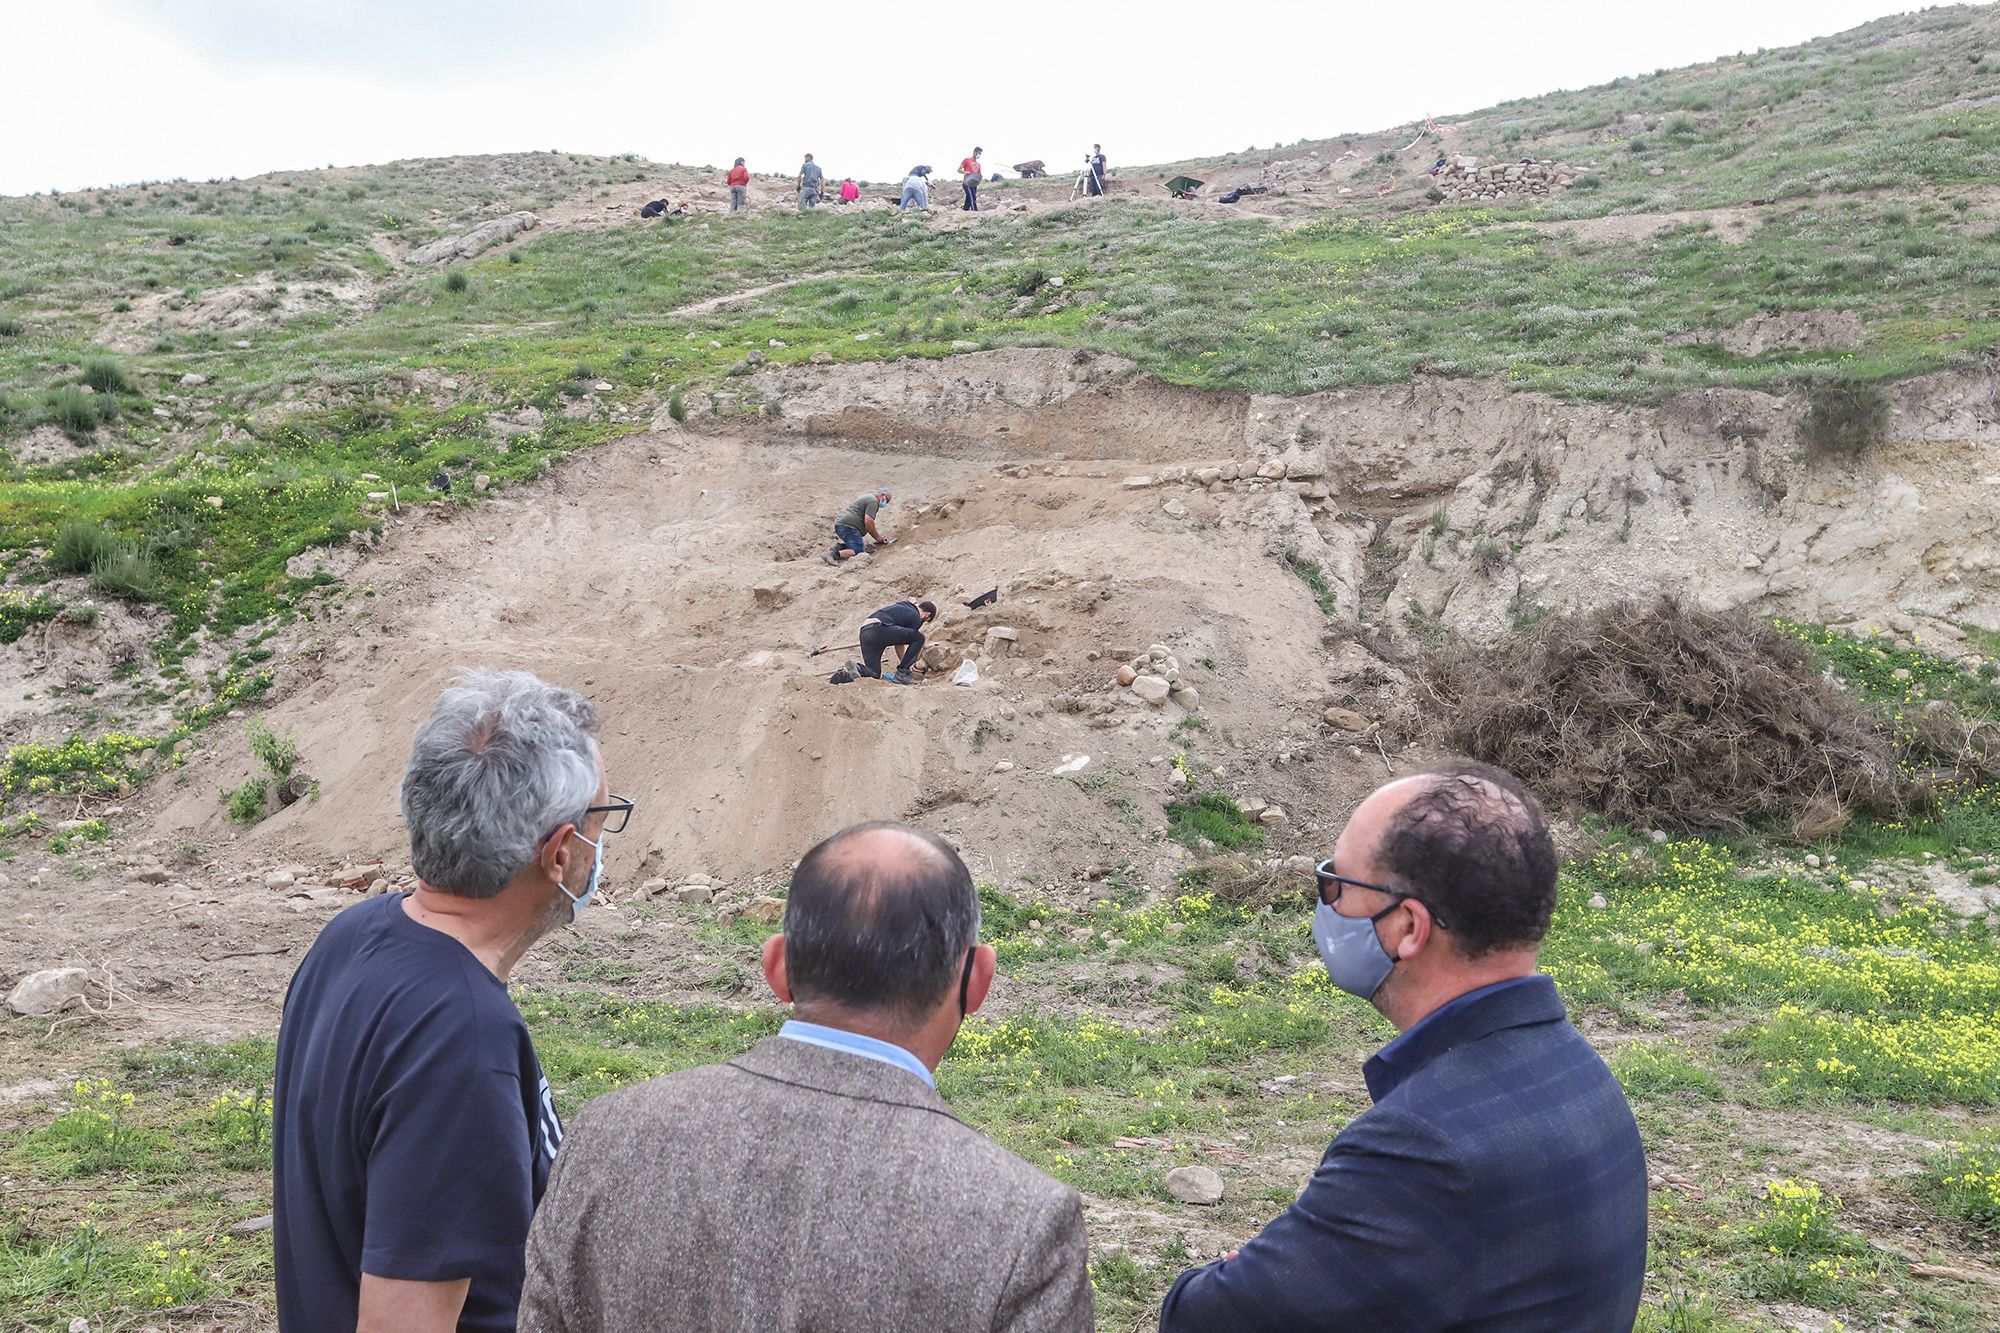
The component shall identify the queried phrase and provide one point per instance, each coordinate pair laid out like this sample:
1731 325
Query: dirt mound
674 577
1664 716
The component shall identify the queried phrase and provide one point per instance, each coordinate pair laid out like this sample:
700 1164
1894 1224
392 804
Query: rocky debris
150 874
482 237
42 993
1273 815
763 909
1790 331
1198 1185
1155 676
1000 640
1467 177
694 893
357 877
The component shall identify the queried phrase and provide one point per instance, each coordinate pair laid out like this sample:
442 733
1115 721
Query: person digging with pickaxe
854 521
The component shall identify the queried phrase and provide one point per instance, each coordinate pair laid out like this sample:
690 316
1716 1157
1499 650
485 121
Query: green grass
1138 1034
20 612
1212 822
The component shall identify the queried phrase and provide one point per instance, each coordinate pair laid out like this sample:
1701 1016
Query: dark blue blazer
1497 1183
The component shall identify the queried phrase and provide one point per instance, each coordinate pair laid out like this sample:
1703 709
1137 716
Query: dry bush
1242 882
1664 715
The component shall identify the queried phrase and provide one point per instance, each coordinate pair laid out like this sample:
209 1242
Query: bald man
1498 1182
809 1183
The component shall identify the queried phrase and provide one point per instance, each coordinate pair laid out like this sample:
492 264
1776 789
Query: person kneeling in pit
901 625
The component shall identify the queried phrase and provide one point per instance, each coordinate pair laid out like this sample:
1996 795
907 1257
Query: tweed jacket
1498 1184
798 1188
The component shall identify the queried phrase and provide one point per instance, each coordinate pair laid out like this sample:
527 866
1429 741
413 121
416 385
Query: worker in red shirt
970 170
739 187
849 191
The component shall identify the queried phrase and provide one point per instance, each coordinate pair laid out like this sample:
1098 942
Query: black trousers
971 197
874 638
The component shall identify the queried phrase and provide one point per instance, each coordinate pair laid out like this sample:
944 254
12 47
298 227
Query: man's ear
1420 931
552 857
984 964
774 969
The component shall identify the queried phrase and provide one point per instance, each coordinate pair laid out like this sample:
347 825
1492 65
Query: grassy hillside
212 378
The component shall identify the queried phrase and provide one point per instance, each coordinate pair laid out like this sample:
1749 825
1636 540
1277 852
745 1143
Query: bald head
878 922
1469 842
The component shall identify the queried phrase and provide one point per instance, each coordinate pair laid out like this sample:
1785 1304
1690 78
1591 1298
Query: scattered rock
1346 719
193 381
1186 696
763 909
1273 815
1153 689
278 881
1195 1184
1174 509
151 875
1126 675
1598 902
694 893
1003 766
47 992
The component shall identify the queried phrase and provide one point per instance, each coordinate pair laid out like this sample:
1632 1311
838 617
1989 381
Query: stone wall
1466 177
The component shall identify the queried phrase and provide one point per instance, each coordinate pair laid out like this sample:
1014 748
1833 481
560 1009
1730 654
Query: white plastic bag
968 671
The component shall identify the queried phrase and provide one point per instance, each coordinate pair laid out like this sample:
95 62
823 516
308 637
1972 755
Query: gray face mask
1353 954
577 901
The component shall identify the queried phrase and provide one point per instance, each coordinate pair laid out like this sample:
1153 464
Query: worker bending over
900 625
856 520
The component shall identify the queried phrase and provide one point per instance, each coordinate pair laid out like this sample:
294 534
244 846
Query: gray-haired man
855 522
412 1128
818 1181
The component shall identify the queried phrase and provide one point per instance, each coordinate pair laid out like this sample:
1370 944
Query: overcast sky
97 92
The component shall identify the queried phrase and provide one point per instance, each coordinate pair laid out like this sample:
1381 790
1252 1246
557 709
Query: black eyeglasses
965 981
1323 872
616 814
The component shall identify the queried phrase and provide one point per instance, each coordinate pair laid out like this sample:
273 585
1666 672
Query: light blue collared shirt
868 1048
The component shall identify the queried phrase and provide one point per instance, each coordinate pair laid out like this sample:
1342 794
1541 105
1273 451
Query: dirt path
715 303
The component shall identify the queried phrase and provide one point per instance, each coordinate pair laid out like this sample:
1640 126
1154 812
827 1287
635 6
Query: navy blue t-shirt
412 1129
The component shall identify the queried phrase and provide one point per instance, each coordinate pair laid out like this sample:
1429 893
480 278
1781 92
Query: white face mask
577 901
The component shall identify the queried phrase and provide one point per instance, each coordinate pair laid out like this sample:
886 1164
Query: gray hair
502 761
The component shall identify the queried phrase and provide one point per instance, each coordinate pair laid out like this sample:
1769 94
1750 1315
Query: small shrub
1965 1183
677 407
1844 418
71 409
1434 195
246 804
1795 1217
456 281
80 544
1489 556
11 328
277 750
128 573
104 374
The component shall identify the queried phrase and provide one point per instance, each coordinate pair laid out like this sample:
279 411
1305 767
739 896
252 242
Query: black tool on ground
987 598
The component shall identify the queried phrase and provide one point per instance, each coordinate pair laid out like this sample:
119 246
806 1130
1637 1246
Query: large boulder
41 993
